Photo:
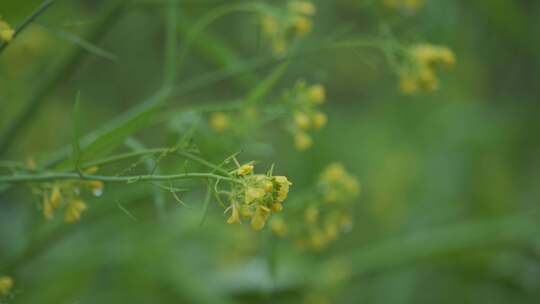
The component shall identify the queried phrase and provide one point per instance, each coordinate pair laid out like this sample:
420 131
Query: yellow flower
219 121
74 211
279 227
302 141
96 187
302 7
48 209
283 187
253 194
6 283
319 120
302 26
268 186
276 207
408 85
6 32
245 169
428 80
316 94
56 197
259 218
235 216
302 120
333 172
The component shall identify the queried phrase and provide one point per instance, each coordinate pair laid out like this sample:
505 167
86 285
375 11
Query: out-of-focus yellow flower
408 85
302 7
333 172
316 94
96 187
219 121
6 283
283 187
428 80
302 120
422 75
302 141
302 26
6 32
319 120
48 209
74 211
279 227
56 197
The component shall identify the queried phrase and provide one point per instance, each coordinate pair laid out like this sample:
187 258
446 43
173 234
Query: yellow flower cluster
408 6
337 184
256 197
66 196
324 216
421 74
6 32
294 23
6 283
305 101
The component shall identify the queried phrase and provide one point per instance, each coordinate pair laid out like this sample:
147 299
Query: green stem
47 177
171 45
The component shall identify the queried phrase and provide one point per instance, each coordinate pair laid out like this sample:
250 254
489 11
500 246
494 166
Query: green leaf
266 85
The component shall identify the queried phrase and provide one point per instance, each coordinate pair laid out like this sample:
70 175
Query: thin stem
38 11
24 178
128 155
171 45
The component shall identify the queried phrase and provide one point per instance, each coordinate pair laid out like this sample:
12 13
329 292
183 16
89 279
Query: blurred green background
450 179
